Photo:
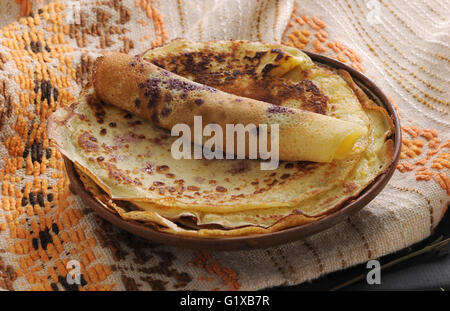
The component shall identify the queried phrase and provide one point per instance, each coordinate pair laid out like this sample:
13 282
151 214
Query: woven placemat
45 57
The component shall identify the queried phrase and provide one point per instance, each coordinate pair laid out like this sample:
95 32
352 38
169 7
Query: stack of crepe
333 139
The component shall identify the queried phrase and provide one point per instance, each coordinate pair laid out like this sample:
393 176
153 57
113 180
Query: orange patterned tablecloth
46 51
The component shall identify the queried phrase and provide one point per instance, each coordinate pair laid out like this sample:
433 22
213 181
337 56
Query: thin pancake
258 203
167 100
183 226
130 159
248 69
377 155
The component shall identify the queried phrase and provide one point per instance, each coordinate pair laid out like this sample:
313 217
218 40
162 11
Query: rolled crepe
166 99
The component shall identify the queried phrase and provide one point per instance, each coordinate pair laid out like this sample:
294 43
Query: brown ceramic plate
270 239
